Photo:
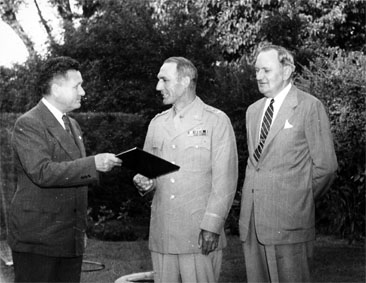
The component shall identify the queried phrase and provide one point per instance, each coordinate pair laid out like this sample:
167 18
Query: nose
81 92
259 75
159 86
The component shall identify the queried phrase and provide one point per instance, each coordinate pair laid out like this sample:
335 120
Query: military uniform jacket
48 211
201 140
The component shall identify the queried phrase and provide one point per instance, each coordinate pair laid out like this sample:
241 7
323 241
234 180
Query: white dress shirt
57 113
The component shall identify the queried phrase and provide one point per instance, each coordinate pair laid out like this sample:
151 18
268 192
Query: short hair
52 68
185 68
284 56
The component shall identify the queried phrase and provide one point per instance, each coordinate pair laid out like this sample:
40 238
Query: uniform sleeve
149 138
321 148
224 176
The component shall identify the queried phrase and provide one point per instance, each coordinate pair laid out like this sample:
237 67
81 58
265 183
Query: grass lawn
334 261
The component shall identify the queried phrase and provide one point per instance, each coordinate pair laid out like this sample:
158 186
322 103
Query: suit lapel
78 137
58 132
285 112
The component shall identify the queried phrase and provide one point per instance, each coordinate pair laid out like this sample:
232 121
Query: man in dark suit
291 163
47 217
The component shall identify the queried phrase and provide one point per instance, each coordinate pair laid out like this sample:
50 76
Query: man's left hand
208 241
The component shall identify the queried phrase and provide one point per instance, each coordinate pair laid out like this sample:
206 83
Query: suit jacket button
253 191
257 169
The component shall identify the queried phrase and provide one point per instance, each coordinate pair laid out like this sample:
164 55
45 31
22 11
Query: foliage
239 26
122 48
113 132
122 44
339 80
7 170
116 48
107 225
17 87
233 24
234 89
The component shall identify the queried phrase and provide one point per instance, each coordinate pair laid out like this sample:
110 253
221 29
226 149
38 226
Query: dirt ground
334 261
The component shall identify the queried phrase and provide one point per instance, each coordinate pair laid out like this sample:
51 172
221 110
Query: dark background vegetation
122 44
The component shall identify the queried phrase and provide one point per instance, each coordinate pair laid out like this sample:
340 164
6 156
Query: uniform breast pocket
157 147
197 154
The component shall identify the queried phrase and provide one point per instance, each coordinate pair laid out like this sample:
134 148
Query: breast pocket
157 147
197 154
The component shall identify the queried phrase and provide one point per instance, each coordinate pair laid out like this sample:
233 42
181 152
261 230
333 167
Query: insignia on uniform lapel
197 132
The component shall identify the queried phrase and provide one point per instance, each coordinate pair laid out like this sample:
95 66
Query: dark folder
145 163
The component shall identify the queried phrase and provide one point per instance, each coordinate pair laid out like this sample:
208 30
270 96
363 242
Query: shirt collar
57 113
280 97
183 112
278 100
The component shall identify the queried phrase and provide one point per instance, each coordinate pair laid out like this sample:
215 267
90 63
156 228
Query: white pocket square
287 125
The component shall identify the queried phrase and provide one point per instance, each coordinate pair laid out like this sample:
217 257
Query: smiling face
271 75
170 86
67 91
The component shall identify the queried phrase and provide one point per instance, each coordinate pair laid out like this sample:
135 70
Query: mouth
164 95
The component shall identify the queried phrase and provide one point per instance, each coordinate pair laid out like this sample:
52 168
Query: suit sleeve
224 176
319 138
45 162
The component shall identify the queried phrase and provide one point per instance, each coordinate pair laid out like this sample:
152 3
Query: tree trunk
8 15
44 23
64 10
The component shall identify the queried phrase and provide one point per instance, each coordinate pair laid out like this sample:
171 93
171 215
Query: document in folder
145 163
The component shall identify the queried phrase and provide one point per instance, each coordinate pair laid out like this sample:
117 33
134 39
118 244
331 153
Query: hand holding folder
145 163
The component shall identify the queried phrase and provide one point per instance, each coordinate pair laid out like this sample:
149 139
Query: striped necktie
266 124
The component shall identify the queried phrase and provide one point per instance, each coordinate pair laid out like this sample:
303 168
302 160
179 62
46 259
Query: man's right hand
104 162
143 184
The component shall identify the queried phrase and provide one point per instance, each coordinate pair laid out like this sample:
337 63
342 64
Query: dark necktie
67 123
266 124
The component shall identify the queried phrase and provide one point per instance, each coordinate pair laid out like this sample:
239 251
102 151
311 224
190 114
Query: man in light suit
291 163
190 206
47 217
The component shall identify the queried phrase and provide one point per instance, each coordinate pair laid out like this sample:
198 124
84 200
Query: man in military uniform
190 206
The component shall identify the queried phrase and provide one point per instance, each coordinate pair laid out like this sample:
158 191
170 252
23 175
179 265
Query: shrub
339 80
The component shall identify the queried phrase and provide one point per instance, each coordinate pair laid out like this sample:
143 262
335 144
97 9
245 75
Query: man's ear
287 72
55 89
186 81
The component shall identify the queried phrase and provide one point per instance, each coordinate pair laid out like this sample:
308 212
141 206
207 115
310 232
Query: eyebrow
161 77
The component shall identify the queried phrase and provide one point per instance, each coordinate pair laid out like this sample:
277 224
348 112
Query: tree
338 79
8 10
44 23
123 46
239 26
